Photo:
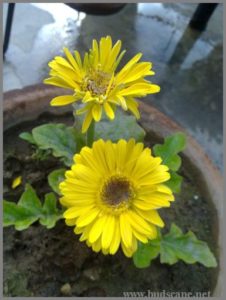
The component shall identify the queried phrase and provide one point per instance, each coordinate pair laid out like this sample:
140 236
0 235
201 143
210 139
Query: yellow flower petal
126 231
78 60
63 100
154 178
109 111
16 182
96 112
96 246
65 72
146 166
127 251
56 81
95 53
132 62
70 222
138 223
87 121
121 154
74 212
122 101
110 156
87 218
85 232
108 231
97 229
151 202
71 59
132 106
62 61
105 48
140 237
113 55
140 89
138 71
151 216
115 243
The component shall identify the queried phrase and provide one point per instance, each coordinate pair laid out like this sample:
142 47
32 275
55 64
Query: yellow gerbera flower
94 80
112 194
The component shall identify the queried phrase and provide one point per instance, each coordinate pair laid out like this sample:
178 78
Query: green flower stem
77 122
90 134
80 139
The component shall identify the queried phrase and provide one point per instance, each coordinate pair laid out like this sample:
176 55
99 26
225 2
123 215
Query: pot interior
38 262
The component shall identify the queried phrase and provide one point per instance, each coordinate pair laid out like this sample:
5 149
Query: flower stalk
90 134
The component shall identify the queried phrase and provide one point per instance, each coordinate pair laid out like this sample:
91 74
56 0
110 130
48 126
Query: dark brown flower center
116 191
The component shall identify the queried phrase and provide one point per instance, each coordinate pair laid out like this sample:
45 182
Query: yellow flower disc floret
112 193
96 83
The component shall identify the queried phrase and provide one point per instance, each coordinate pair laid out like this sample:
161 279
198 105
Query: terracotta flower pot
28 104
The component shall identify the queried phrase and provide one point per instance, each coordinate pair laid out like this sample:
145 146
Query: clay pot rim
22 105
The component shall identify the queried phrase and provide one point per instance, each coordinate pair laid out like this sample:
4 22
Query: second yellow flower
96 83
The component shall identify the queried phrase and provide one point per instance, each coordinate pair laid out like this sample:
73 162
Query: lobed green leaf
170 149
174 183
55 178
178 246
17 216
50 213
173 247
63 141
29 209
143 257
122 127
58 138
27 136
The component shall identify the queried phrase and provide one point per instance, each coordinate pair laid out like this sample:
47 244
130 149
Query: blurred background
188 62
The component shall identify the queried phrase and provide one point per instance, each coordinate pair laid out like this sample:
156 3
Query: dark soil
41 262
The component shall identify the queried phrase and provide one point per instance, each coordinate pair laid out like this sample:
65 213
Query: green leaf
23 214
146 253
16 215
122 127
178 246
55 178
50 212
174 183
27 137
169 154
57 137
29 209
169 150
173 247
30 201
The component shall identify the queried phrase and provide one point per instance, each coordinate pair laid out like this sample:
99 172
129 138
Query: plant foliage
168 151
29 209
173 247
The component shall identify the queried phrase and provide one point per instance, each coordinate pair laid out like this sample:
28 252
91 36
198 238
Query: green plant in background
110 187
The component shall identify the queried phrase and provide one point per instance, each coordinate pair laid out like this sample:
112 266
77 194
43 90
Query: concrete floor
188 66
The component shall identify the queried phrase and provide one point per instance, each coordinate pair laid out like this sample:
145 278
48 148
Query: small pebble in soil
92 273
66 289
